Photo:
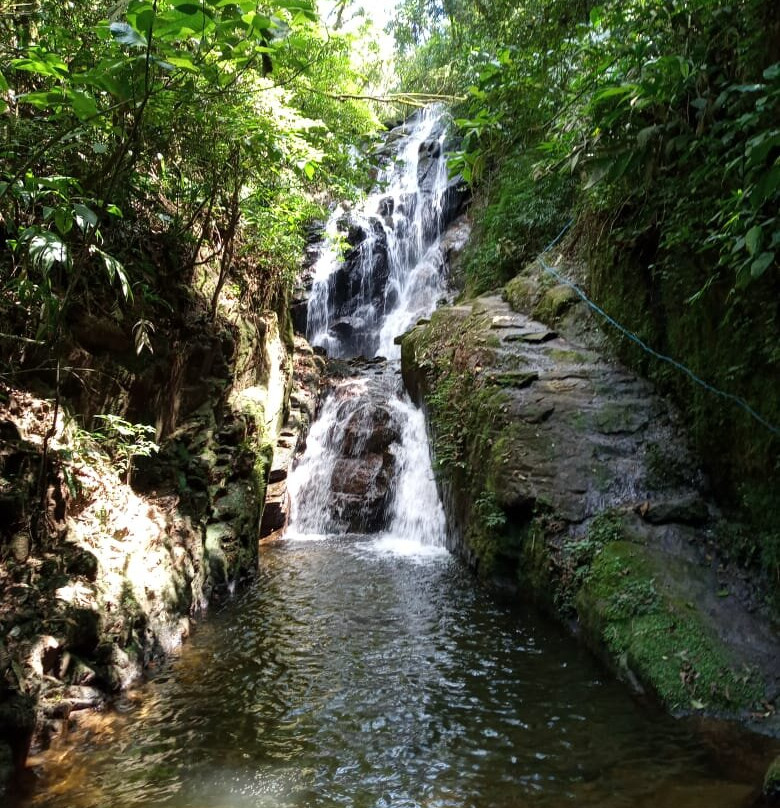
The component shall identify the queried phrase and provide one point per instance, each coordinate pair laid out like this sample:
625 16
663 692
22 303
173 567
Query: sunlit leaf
43 63
85 217
125 34
47 249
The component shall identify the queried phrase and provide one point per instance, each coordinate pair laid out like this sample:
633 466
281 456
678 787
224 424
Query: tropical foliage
206 129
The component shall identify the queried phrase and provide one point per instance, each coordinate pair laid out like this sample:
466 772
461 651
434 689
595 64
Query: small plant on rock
125 441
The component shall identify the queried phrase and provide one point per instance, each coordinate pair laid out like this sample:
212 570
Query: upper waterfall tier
393 272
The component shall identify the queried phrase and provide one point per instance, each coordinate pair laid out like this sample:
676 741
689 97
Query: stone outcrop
308 373
569 478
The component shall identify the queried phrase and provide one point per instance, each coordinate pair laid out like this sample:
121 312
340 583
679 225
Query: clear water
372 672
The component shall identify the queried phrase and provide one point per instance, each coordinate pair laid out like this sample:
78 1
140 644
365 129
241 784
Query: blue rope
643 345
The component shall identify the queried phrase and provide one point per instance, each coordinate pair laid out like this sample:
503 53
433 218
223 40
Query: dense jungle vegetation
144 140
136 133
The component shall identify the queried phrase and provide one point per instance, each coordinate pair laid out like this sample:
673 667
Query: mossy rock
522 293
217 536
555 303
657 639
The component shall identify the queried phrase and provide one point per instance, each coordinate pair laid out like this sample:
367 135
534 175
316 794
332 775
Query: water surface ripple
358 672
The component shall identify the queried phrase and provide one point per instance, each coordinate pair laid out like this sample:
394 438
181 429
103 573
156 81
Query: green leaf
114 269
85 217
760 265
644 136
125 34
47 249
84 105
753 239
3 83
302 7
63 220
610 92
186 7
43 63
44 99
596 15
772 72
183 63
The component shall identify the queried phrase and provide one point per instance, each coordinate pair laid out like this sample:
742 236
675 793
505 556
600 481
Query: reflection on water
353 674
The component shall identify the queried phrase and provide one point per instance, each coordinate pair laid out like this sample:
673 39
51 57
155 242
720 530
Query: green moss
571 357
513 378
576 558
535 572
522 293
261 468
614 418
657 639
555 303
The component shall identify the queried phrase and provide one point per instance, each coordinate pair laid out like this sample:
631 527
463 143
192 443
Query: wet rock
567 473
688 510
369 431
360 490
386 206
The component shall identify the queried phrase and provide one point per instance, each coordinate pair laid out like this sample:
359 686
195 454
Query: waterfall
367 465
393 272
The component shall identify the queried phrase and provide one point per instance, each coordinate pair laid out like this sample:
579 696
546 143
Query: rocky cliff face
567 477
102 572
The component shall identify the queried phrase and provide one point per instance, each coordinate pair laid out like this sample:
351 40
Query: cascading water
367 467
393 273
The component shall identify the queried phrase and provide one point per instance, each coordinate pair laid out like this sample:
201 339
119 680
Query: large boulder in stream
569 478
361 438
